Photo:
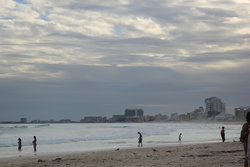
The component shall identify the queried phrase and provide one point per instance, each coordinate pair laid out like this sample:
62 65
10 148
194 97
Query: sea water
66 138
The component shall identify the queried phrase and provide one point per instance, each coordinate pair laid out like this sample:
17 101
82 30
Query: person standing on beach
34 143
222 133
140 139
180 137
244 138
19 144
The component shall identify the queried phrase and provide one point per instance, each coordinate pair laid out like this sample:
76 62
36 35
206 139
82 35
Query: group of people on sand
140 139
222 132
243 138
34 143
180 137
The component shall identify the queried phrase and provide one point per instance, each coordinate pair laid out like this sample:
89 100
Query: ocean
66 138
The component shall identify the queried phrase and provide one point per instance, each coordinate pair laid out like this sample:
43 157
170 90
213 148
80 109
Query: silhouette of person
140 139
19 144
245 131
222 133
34 143
180 137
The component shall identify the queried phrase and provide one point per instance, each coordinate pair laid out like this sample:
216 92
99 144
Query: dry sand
229 154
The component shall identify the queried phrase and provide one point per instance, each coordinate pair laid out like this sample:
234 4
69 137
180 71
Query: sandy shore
229 154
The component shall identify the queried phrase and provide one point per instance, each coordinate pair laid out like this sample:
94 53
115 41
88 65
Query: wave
14 127
10 129
111 133
118 142
42 125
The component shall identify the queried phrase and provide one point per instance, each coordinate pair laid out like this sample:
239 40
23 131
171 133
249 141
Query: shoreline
193 121
43 153
52 139
228 154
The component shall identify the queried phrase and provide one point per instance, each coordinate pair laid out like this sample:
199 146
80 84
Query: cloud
158 50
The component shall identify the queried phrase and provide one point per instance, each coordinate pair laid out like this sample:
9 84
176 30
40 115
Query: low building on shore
118 118
224 117
94 120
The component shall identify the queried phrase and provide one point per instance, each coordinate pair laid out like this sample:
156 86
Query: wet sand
228 154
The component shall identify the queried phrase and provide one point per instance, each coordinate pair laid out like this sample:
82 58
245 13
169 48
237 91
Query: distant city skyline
212 106
214 112
70 59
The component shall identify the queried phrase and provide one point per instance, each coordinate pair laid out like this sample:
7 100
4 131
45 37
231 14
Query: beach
228 154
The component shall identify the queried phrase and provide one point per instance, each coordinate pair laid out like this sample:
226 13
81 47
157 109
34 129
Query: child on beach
244 138
140 139
34 143
222 133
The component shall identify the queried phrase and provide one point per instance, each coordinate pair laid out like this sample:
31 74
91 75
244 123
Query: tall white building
214 106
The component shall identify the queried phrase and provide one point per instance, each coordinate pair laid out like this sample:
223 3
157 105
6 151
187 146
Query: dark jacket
244 132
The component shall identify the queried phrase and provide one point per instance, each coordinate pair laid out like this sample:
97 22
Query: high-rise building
214 106
139 112
23 120
133 113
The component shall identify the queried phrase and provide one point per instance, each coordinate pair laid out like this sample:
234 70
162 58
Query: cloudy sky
70 59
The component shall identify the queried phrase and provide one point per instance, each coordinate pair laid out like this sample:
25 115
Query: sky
71 59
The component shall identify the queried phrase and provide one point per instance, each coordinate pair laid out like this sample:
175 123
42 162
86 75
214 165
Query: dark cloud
242 55
217 12
87 90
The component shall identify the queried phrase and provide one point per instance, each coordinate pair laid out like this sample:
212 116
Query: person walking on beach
244 139
222 133
34 143
140 139
180 137
19 144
